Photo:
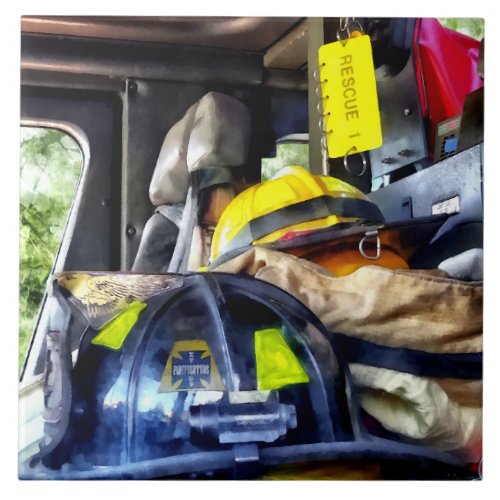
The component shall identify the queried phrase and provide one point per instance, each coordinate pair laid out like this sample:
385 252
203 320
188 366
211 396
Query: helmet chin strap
304 211
371 233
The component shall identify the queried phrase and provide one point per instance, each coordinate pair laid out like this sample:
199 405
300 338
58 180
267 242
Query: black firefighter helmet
202 375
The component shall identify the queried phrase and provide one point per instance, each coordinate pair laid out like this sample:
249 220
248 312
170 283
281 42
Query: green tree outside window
286 155
473 27
50 167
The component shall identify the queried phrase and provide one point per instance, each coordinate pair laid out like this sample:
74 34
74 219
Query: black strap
213 176
466 366
304 211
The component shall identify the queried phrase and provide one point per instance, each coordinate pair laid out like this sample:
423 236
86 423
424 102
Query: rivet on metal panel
132 87
407 111
405 153
388 160
406 208
131 231
105 203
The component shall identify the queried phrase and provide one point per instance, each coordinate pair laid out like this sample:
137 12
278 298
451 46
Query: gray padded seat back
158 239
220 133
199 151
170 180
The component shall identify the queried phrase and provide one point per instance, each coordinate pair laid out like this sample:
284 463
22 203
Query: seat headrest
214 132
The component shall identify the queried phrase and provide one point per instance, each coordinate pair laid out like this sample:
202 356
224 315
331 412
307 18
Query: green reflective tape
114 333
276 364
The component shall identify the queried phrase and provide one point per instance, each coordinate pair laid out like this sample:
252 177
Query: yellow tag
349 92
191 367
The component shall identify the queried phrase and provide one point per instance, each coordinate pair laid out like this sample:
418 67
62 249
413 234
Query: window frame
36 341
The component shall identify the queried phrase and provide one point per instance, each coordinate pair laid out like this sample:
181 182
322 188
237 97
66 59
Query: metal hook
321 127
317 71
319 109
318 93
343 41
324 152
317 88
370 234
325 164
355 23
343 28
346 166
345 24
324 145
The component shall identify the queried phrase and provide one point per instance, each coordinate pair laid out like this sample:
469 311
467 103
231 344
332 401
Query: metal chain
320 107
343 28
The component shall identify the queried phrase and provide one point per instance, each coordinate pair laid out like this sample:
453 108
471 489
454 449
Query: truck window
473 27
50 167
292 150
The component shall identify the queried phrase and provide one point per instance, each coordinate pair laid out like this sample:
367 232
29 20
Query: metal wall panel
121 59
460 175
149 110
91 245
243 33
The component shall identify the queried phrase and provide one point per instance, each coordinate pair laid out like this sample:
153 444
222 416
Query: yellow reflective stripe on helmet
114 333
276 364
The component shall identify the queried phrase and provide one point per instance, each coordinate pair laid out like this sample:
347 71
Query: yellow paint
277 365
114 333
